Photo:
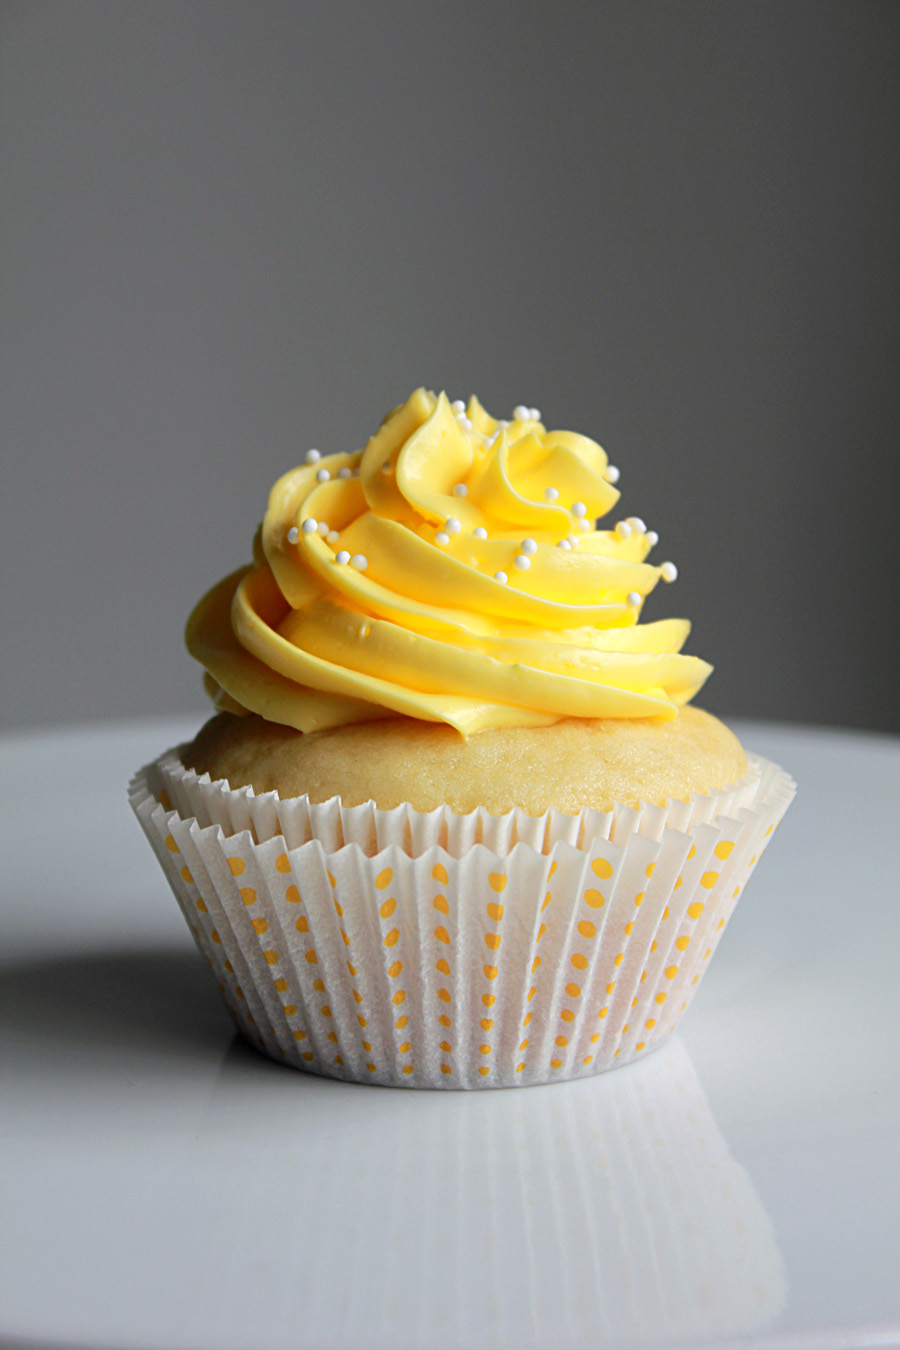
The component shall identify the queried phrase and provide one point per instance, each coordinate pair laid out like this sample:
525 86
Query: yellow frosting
417 621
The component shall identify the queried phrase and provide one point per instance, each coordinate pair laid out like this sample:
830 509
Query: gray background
230 232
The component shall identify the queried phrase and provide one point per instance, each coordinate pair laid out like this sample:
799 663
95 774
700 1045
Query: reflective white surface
161 1185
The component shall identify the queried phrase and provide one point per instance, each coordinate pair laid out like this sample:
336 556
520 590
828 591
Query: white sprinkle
313 456
343 557
637 524
585 525
529 546
322 476
452 525
623 530
551 494
359 561
293 534
463 422
502 422
573 540
633 599
668 571
521 563
535 414
501 577
521 413
652 538
460 490
612 473
457 406
441 538
323 528
564 543
309 525
479 532
332 537
579 510
345 472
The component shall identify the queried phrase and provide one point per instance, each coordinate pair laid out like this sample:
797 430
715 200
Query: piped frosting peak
451 571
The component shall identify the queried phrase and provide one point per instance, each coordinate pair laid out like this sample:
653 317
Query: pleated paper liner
434 950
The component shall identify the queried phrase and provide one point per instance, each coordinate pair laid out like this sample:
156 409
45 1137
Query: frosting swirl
449 572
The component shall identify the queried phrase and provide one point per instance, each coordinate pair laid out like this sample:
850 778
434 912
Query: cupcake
454 823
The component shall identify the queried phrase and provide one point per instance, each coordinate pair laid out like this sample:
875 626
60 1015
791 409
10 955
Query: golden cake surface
573 763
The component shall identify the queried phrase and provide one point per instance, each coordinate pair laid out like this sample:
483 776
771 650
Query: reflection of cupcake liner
609 1214
454 951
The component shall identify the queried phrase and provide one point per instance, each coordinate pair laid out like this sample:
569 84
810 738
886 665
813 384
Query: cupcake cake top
451 571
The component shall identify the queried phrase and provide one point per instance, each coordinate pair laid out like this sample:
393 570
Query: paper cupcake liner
435 950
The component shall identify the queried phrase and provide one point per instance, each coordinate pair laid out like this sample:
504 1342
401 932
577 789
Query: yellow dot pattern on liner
493 940
602 869
282 863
